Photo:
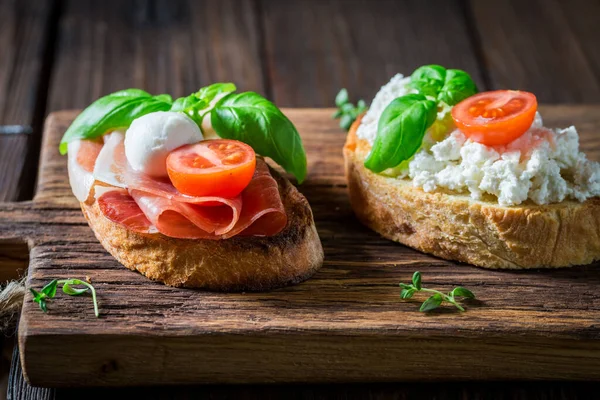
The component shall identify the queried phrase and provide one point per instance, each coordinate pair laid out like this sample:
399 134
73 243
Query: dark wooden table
64 54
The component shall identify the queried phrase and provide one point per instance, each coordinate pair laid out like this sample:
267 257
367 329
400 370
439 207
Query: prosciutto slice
80 164
148 205
262 214
117 205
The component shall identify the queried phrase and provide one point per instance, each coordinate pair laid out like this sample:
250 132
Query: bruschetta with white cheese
472 177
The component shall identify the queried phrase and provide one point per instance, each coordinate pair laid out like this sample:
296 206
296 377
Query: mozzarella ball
151 138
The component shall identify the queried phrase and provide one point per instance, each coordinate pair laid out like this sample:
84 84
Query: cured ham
118 206
147 204
80 166
184 220
263 213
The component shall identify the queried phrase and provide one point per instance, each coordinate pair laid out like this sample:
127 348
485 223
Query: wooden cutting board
347 323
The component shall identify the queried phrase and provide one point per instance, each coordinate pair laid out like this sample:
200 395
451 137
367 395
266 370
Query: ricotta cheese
543 165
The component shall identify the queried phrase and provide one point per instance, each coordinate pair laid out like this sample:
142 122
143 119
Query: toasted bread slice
241 263
456 227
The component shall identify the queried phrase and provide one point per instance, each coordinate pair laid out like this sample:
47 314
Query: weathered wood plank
25 42
157 45
19 389
390 391
548 47
347 323
24 28
358 44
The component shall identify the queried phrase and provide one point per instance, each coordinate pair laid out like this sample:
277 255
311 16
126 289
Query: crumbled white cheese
543 165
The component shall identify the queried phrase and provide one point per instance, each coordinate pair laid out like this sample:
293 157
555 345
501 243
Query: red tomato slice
219 167
495 118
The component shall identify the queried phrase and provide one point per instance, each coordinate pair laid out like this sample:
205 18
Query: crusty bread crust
236 264
455 227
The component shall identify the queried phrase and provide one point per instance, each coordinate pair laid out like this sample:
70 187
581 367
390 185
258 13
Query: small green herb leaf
347 112
50 289
400 131
431 303
254 120
461 291
72 291
438 297
346 122
197 104
192 106
416 280
458 85
117 110
209 93
341 98
428 79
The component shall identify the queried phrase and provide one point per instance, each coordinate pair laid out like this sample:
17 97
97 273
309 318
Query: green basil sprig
400 131
448 85
405 120
198 104
428 80
252 119
117 110
247 117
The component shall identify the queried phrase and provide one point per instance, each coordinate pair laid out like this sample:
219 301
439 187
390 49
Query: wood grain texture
24 26
550 47
381 391
20 389
162 46
347 323
25 44
313 48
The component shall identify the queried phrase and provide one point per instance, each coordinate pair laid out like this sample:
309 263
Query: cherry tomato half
497 117
219 167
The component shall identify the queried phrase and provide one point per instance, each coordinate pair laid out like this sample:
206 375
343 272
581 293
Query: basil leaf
209 93
428 79
431 303
117 110
194 104
458 85
407 293
192 107
400 131
254 120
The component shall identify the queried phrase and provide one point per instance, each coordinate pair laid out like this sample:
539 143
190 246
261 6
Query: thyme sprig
347 112
433 302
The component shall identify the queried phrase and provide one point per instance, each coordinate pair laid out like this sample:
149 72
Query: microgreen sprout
49 291
437 298
347 112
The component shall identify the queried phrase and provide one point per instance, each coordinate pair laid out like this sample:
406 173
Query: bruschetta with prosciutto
180 191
